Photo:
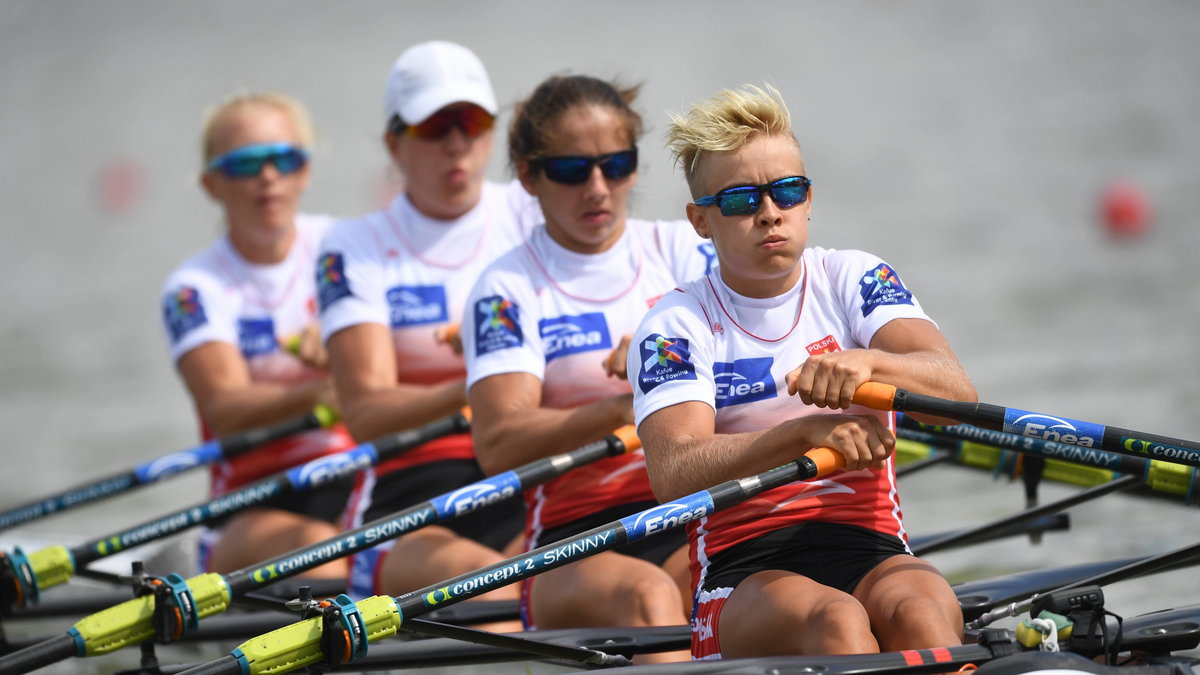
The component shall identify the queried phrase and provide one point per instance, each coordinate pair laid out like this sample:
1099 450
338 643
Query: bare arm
512 428
907 353
363 361
219 381
684 454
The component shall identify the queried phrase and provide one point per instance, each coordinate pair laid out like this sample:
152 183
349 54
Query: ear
209 183
525 175
699 220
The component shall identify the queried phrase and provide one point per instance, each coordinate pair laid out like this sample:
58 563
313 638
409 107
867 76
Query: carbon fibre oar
1158 475
180 604
1035 425
226 447
23 577
344 630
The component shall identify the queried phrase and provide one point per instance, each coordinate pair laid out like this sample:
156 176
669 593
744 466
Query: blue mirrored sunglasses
248 160
745 200
576 169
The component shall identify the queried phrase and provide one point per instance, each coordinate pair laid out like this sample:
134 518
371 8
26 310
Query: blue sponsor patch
332 284
744 380
667 516
331 467
664 360
882 286
464 500
205 453
710 255
256 336
497 325
1058 429
416 305
566 335
183 311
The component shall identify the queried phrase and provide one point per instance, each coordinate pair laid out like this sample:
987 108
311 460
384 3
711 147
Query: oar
24 577
1032 424
321 417
180 604
1158 475
344 630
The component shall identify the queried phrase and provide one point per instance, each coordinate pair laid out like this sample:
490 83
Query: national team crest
664 359
881 286
497 325
332 284
183 311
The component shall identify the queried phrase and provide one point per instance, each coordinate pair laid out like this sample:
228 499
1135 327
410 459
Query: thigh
258 534
774 612
911 605
433 554
608 589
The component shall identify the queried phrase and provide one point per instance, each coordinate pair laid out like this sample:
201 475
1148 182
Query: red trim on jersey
637 275
799 311
255 293
387 214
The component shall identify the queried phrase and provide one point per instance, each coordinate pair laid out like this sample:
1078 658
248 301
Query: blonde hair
725 123
213 117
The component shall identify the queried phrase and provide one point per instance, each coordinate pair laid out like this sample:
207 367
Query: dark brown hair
534 118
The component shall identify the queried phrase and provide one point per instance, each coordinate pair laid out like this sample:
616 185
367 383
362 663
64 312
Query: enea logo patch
881 286
744 381
332 284
825 345
256 336
1035 425
664 359
566 335
497 325
416 305
183 311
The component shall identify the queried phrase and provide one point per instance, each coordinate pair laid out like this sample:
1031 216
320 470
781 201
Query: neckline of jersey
799 310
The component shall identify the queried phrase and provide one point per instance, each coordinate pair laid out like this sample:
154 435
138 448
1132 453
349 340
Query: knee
919 622
842 627
653 601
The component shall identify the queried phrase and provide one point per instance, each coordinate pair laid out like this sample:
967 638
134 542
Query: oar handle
875 395
820 462
628 437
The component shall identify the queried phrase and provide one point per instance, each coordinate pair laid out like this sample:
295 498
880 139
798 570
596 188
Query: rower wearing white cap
389 280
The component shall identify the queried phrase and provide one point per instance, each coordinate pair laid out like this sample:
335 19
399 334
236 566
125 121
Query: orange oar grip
628 436
466 412
449 332
875 395
827 460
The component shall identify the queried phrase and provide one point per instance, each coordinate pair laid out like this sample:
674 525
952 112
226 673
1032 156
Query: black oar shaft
42 654
158 469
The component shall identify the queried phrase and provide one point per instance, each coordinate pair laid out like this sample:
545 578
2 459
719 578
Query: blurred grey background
969 143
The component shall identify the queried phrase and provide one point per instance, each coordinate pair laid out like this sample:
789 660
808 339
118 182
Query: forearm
259 404
933 373
371 414
507 439
684 464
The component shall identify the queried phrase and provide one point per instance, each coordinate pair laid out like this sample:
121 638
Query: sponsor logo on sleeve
332 284
566 335
710 255
183 312
744 381
257 336
416 305
497 325
1061 430
825 345
881 286
664 359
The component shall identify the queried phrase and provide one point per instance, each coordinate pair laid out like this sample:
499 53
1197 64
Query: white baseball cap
430 76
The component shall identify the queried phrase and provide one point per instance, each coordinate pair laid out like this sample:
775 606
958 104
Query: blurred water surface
967 143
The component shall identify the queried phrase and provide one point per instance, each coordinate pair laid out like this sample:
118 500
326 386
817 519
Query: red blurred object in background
1125 211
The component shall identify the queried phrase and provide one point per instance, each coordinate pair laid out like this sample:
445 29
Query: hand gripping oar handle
167 465
131 622
1035 425
27 575
300 644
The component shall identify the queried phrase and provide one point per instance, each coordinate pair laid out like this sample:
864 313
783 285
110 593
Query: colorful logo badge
332 284
743 381
183 312
664 359
497 325
881 286
566 335
825 345
416 305
257 336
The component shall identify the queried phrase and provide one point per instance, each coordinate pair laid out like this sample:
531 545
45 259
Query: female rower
228 309
808 568
388 281
539 323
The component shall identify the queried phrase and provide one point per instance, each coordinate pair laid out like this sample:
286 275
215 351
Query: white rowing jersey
411 273
706 343
218 296
556 314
